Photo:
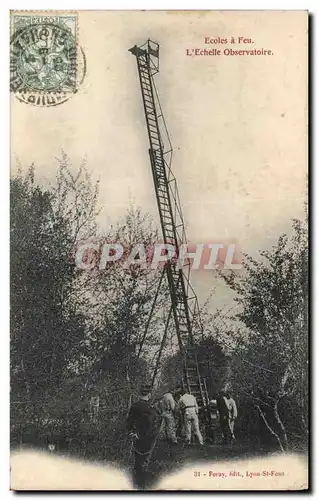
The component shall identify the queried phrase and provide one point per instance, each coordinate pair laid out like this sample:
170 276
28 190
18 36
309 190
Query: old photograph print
159 250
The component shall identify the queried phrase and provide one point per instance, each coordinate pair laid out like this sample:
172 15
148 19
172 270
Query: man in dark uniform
141 425
213 419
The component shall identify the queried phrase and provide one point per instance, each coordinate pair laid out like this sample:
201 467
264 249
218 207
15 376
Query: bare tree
270 363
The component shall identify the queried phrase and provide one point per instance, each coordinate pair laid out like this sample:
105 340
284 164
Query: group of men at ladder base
179 417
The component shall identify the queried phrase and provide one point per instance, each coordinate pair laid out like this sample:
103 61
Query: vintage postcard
159 250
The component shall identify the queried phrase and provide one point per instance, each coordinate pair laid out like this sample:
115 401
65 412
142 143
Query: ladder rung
154 130
149 104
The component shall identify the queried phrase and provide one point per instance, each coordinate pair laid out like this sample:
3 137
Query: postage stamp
47 65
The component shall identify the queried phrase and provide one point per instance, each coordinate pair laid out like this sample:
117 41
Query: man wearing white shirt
232 413
188 404
168 406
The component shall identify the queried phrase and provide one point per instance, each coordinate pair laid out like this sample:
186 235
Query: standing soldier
168 406
179 414
188 404
141 427
224 415
232 414
213 420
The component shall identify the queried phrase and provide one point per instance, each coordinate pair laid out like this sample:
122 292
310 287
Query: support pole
151 312
163 341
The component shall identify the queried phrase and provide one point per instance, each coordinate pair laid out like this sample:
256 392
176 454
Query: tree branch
270 429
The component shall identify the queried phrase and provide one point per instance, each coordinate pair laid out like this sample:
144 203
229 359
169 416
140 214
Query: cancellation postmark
47 65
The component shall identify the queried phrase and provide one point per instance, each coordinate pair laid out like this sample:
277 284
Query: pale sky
237 124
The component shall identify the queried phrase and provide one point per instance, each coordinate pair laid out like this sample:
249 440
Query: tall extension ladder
183 299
